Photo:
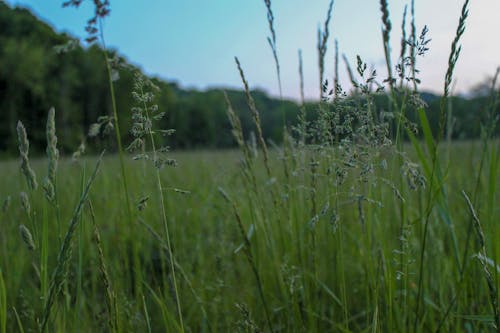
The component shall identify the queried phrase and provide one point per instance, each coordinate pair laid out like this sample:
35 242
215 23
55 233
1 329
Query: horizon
200 53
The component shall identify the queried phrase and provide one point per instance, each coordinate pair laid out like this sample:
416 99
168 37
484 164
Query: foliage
343 228
40 69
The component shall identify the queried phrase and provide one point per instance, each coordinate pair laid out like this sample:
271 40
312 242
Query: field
367 217
348 264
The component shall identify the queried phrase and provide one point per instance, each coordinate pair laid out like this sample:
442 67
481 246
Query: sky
194 42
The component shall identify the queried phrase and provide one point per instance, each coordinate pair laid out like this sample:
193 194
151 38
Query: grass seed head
48 188
6 204
23 150
27 237
52 151
25 202
79 152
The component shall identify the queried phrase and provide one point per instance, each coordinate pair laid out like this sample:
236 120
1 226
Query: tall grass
362 221
3 304
144 114
64 255
95 31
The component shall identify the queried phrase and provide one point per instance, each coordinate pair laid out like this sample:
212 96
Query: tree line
40 69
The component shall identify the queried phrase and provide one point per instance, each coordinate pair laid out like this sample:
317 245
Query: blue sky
194 42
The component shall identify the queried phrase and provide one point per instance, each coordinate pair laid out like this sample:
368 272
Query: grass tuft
60 272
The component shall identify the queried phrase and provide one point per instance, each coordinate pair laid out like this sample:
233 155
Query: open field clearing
347 263
372 207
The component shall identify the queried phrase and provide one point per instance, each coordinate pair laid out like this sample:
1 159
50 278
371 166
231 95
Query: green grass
343 230
340 276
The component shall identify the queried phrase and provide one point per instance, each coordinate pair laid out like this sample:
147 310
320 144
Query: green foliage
343 230
301 283
40 69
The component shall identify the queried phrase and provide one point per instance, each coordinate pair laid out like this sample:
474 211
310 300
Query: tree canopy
40 69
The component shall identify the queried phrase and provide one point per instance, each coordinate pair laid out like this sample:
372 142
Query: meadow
352 266
363 220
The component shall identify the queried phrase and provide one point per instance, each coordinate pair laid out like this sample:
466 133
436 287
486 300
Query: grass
350 276
341 229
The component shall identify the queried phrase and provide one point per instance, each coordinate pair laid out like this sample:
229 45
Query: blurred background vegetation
40 68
